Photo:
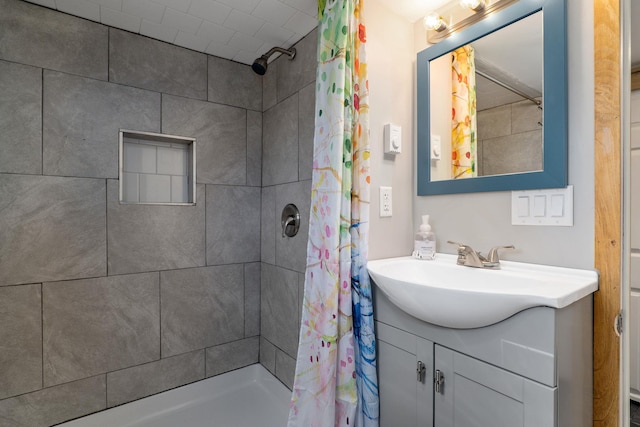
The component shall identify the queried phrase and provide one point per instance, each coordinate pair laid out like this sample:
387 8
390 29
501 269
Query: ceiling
240 30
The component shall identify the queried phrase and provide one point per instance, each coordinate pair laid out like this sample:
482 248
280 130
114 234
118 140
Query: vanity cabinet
533 369
405 378
473 393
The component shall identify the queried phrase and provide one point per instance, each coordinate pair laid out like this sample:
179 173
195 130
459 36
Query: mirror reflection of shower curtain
464 127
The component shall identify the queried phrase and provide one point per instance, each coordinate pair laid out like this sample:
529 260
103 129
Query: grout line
106 391
206 257
160 314
42 122
246 157
106 224
108 52
206 76
298 136
42 331
244 300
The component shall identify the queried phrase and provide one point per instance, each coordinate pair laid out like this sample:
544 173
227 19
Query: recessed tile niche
157 168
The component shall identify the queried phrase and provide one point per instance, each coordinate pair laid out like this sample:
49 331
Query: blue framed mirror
505 127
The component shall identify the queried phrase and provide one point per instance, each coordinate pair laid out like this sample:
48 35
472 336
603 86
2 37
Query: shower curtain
463 113
335 382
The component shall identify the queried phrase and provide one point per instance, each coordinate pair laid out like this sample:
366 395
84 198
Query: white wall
481 219
391 62
484 219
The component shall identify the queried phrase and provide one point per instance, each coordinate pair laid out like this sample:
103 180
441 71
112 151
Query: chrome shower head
259 66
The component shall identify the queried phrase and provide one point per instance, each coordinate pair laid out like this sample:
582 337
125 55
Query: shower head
259 66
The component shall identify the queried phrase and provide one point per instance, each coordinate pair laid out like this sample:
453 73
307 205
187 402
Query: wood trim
608 220
635 78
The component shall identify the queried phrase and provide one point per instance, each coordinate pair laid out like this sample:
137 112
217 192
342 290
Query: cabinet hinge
619 323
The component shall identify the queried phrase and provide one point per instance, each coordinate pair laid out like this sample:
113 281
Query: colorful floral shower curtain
463 113
335 382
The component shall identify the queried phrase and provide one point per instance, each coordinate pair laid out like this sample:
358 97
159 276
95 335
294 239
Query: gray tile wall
81 121
143 380
48 39
154 65
510 139
21 116
221 133
149 237
21 338
288 125
103 303
53 228
201 307
86 321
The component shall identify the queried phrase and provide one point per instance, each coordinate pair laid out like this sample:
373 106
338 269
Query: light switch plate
550 207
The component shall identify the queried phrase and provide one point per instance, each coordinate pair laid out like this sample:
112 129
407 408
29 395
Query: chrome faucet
470 258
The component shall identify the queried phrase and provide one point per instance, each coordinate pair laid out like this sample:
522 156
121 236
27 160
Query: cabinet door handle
438 380
421 370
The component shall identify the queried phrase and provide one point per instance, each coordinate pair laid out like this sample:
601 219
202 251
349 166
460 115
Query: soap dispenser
424 245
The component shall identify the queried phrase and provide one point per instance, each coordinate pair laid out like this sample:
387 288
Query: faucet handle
462 249
493 253
466 255
461 246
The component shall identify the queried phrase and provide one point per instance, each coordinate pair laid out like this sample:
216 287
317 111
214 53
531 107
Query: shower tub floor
247 397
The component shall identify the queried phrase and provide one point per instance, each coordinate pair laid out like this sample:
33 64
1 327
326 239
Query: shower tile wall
509 139
103 303
288 122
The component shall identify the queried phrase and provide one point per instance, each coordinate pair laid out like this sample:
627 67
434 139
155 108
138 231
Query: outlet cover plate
386 201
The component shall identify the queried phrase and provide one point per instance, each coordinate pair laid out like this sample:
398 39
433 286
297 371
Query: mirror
492 104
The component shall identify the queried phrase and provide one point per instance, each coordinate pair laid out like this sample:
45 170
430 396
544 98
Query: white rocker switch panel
550 207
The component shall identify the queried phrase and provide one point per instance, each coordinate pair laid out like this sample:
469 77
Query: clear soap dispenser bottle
424 245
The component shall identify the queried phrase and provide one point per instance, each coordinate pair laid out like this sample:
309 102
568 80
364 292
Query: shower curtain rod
510 88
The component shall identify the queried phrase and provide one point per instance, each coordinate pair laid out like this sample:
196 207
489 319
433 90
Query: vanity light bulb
433 21
475 5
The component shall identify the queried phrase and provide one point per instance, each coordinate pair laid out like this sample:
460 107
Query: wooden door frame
608 205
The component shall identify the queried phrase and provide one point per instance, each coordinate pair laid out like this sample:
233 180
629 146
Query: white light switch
551 207
539 205
523 206
557 205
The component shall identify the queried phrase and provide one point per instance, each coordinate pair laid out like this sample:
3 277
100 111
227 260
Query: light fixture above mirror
457 15
475 5
433 21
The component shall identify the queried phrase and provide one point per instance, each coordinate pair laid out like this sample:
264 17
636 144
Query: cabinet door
475 394
404 401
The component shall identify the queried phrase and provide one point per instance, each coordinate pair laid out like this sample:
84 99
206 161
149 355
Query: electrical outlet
386 202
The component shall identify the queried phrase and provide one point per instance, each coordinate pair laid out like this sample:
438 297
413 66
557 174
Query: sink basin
446 294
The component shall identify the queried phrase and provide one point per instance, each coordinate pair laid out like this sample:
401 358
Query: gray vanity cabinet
533 369
473 393
405 390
